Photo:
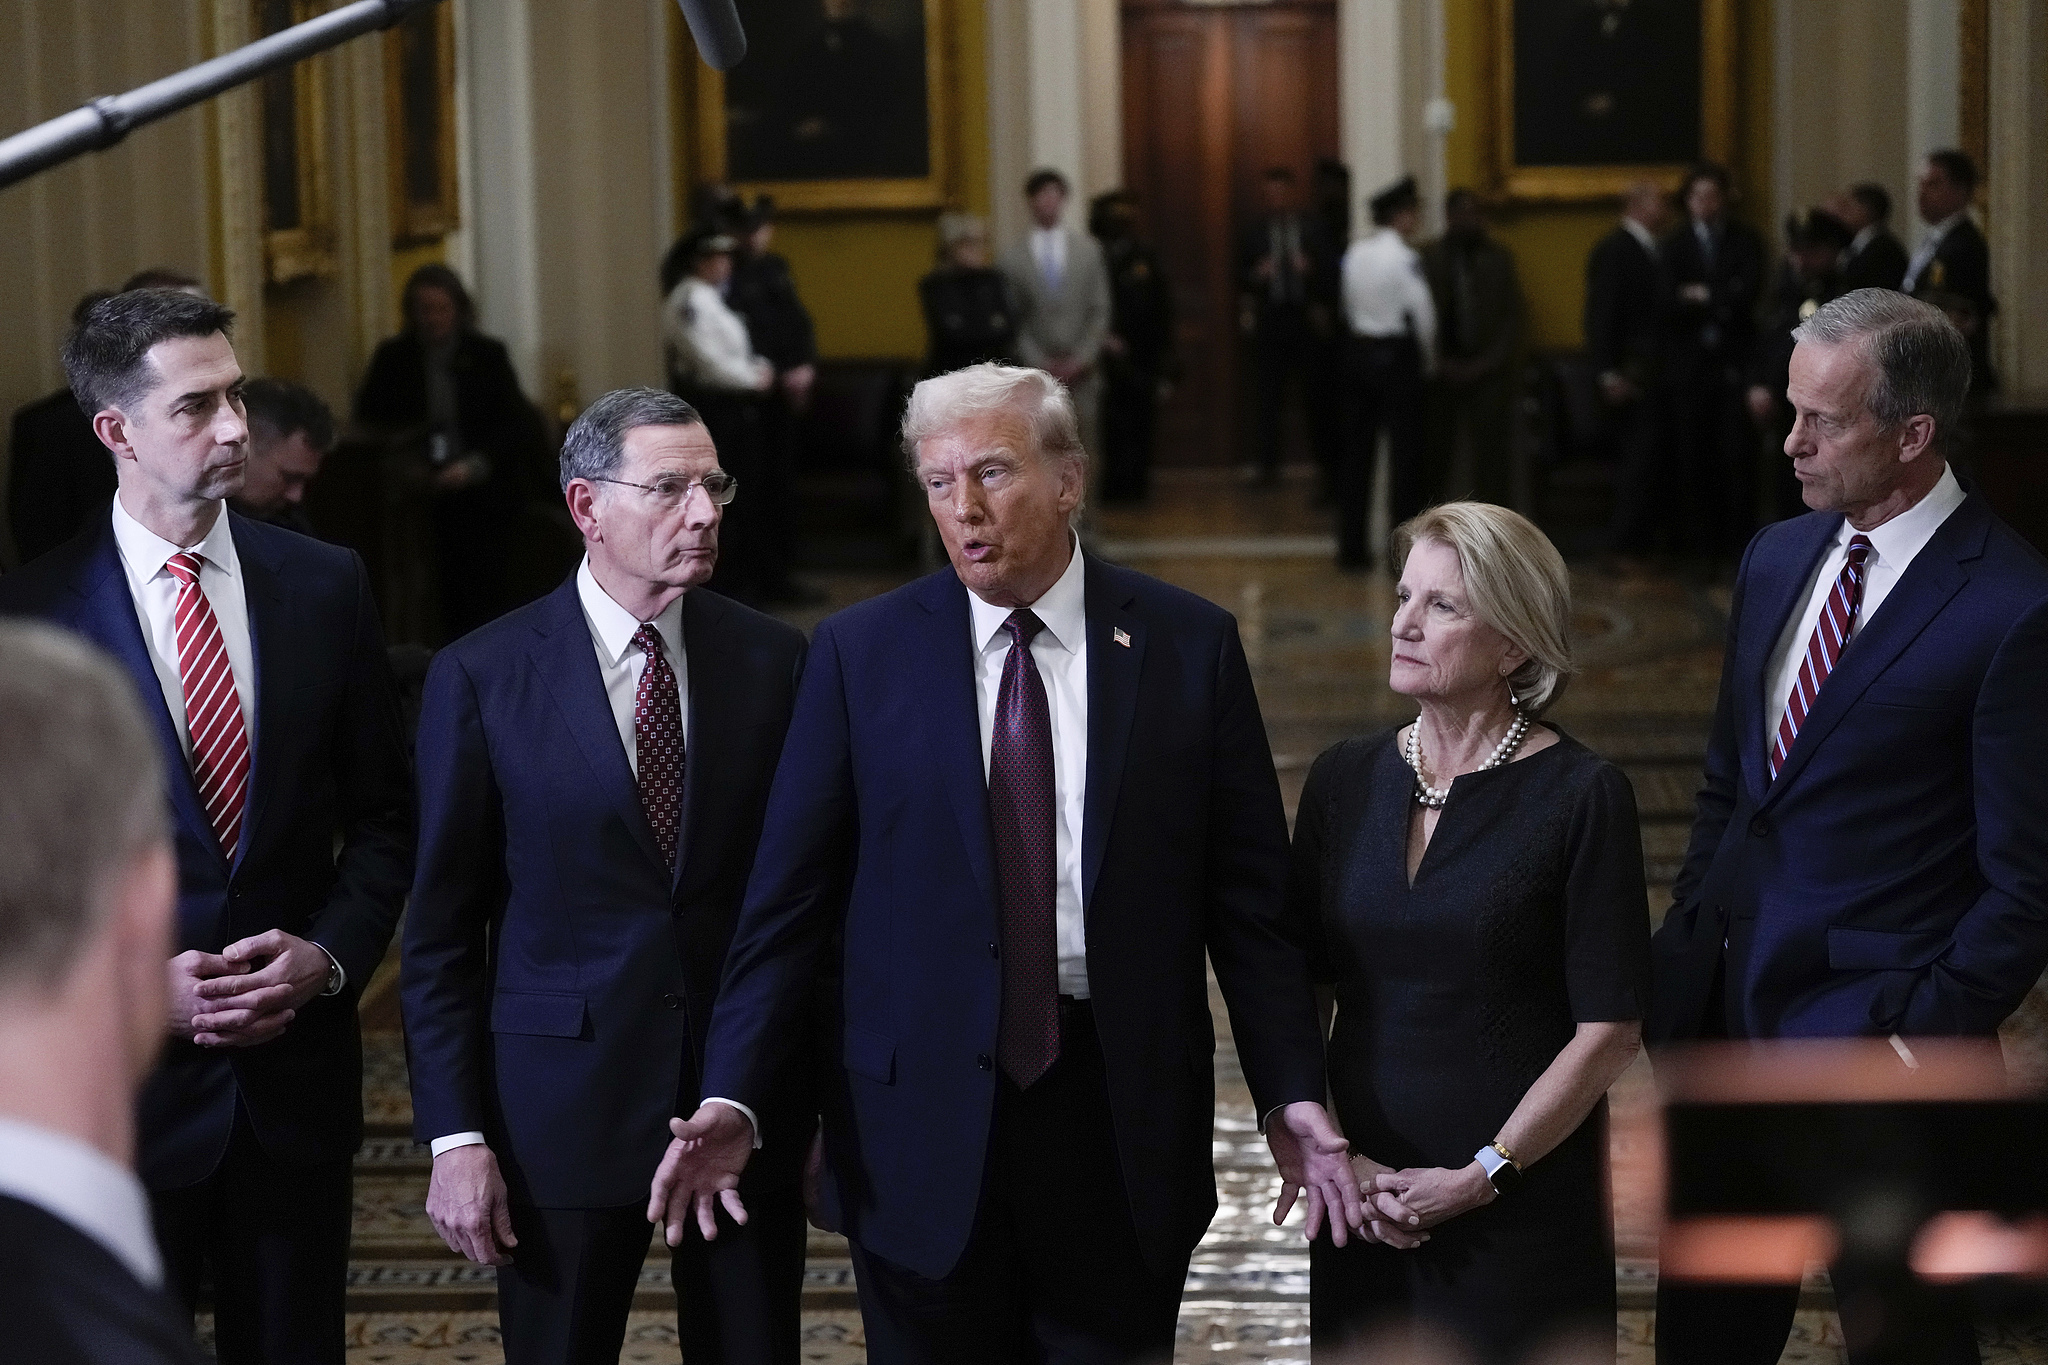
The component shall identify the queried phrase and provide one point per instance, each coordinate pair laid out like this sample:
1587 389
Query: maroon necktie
1020 804
1830 634
658 740
213 709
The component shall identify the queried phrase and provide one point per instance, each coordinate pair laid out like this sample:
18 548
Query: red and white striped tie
213 710
1830 633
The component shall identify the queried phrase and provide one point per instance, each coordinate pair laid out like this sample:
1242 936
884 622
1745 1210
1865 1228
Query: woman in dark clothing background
446 400
970 314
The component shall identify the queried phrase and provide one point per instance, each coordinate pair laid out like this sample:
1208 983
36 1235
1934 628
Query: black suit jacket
877 864
1255 244
1961 267
559 977
67 1300
1881 264
491 411
1719 332
329 762
1625 303
58 474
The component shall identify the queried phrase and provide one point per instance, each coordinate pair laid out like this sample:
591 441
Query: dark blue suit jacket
67 1300
878 843
558 975
329 760
1894 878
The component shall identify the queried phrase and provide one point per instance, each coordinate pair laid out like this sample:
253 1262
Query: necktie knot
184 566
647 640
1022 625
1859 550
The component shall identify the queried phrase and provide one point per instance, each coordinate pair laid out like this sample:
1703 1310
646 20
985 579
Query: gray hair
1515 581
955 228
81 796
596 440
1919 359
944 401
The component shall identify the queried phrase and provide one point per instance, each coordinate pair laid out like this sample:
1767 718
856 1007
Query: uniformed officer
1138 350
1392 323
1810 276
1951 268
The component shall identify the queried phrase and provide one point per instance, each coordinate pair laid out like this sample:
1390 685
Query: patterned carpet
1318 647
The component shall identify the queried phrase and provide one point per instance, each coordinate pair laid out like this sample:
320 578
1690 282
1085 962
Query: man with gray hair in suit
1062 288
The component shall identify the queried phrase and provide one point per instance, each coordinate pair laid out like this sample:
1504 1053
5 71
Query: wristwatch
1499 1164
335 978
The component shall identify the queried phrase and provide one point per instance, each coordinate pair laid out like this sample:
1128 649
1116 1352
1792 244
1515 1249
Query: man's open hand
701 1169
467 1204
1314 1159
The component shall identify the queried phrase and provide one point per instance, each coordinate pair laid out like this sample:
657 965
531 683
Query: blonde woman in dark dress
1471 885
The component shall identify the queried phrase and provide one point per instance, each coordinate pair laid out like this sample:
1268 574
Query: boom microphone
715 24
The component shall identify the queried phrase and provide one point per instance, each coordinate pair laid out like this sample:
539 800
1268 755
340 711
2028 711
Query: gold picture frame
297 196
827 195
419 122
1583 182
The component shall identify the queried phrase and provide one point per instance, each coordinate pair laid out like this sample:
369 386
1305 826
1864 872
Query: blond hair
1515 582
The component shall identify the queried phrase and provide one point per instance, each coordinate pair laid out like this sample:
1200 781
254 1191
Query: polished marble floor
1317 641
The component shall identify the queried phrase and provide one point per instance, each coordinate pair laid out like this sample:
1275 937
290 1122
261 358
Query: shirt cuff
340 975
752 1122
454 1140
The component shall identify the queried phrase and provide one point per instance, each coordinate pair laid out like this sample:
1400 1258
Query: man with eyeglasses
593 770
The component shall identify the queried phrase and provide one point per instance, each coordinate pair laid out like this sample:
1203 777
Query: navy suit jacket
329 760
1894 878
67 1300
558 975
878 846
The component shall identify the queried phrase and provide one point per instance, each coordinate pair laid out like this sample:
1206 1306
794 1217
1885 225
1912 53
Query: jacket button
985 1062
674 1002
1760 827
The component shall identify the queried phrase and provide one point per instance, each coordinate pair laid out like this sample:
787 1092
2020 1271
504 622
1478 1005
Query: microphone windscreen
715 24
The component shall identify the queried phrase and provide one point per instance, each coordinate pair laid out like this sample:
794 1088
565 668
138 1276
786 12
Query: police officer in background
1137 353
1811 275
1392 324
1951 268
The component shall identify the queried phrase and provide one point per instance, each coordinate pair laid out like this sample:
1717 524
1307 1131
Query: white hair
943 402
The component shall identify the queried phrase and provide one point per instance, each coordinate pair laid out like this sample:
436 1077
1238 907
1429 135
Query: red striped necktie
213 709
1830 634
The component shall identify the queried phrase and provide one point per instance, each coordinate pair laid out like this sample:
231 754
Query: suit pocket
1912 698
1882 950
548 1016
870 1055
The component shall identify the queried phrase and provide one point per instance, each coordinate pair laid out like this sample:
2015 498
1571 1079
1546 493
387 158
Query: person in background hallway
970 309
1020 802
291 431
88 886
1490 985
1874 259
1715 267
764 294
1282 256
261 665
1392 324
1062 289
1815 242
447 395
1951 268
1330 201
570 841
1624 325
1138 352
1866 857
1478 334
714 367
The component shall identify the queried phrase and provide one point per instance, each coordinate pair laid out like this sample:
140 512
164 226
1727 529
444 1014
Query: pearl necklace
1434 797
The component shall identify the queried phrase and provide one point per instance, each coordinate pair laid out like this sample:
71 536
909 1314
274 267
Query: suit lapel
1116 656
1781 589
953 739
567 663
709 730
266 596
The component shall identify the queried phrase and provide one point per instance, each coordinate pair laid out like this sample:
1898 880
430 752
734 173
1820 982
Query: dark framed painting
298 226
1592 94
839 104
419 118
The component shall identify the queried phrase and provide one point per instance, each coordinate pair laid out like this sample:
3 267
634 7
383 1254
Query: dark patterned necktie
1020 803
1830 637
658 737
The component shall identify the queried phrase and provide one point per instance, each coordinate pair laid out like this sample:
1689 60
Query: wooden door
1213 95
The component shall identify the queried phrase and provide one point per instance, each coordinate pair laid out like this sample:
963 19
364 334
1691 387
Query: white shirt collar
145 551
1941 229
1063 609
1897 541
1864 236
613 626
1641 234
86 1188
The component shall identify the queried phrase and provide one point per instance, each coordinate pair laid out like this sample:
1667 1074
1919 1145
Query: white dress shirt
1385 294
82 1185
708 343
1892 548
1049 250
1061 653
1646 239
1929 244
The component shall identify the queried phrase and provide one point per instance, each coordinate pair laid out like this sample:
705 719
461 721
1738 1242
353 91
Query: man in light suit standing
1022 801
1867 859
1063 300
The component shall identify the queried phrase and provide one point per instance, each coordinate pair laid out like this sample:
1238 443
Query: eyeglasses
672 489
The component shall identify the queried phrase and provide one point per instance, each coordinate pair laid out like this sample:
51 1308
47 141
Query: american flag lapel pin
1121 636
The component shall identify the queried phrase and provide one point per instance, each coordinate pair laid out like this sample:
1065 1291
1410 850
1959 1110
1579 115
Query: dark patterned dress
1526 918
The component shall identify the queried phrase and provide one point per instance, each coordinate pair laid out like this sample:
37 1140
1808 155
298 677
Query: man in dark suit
1874 259
262 666
1715 267
581 867
1866 859
1284 261
58 473
291 432
1479 329
1951 268
1020 800
1624 324
87 886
